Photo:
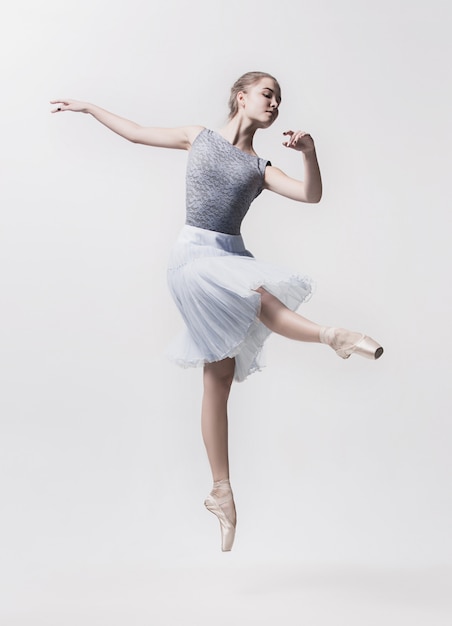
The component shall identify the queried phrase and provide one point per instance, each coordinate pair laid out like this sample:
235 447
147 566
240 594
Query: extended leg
280 319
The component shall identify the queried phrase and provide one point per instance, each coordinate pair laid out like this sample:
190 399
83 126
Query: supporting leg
214 424
214 417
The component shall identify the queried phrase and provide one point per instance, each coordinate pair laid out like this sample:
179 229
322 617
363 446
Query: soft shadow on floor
225 594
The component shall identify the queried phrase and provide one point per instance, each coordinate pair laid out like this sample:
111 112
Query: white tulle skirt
212 278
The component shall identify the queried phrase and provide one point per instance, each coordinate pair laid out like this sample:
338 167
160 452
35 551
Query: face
260 102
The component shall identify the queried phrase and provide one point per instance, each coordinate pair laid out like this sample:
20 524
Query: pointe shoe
215 506
364 346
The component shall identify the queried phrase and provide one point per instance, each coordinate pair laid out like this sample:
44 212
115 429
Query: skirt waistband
204 237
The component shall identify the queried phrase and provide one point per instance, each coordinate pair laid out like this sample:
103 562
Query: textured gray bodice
222 181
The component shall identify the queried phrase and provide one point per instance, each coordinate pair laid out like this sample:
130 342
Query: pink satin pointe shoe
220 502
337 339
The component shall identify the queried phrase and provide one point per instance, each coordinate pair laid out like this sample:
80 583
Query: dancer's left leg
214 422
214 416
280 319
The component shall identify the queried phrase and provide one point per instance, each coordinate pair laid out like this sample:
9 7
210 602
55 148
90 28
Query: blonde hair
242 84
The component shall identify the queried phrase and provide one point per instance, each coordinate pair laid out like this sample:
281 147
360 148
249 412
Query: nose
275 103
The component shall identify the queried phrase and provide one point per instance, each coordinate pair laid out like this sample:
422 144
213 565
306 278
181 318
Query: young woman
231 302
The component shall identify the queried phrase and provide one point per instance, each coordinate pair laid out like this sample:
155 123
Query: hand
70 105
299 140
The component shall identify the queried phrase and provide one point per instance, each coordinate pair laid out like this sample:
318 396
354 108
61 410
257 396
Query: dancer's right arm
180 138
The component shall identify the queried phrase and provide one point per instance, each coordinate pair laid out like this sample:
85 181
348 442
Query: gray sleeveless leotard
222 181
212 276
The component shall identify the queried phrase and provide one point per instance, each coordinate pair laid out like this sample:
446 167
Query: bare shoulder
272 175
192 132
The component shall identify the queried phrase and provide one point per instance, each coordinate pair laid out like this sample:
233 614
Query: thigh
219 373
270 304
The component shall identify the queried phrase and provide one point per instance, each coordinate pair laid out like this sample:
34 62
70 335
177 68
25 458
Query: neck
239 133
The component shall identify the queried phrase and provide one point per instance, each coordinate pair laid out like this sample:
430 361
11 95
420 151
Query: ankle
221 489
223 482
327 335
338 338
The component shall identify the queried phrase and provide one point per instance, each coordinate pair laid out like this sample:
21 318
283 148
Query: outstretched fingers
68 105
61 104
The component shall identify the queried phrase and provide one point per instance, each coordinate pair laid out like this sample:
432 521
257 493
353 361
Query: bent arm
179 138
307 190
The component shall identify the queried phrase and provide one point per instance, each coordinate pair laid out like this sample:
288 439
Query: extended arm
180 138
308 190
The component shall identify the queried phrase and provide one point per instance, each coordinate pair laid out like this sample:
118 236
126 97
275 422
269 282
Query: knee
219 376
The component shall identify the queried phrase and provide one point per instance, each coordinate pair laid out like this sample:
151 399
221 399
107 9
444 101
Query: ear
241 98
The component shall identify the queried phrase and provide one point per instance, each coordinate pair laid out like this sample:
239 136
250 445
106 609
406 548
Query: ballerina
231 302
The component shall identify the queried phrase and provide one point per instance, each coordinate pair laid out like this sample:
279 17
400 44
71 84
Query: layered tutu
212 278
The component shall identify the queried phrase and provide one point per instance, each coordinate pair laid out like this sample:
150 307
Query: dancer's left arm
307 190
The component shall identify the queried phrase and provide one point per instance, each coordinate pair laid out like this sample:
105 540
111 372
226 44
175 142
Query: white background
341 470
